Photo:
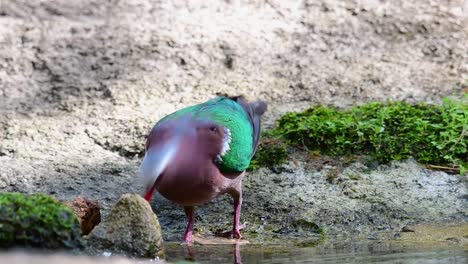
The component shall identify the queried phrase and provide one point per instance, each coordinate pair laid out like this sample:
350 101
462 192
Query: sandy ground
82 82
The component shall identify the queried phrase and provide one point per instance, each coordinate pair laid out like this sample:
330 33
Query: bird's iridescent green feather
230 114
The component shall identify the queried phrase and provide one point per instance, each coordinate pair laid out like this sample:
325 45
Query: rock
38 221
407 229
87 211
131 229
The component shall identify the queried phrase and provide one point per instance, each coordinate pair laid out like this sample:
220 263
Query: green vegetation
37 221
432 134
270 152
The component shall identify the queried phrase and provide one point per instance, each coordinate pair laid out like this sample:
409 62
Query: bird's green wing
229 114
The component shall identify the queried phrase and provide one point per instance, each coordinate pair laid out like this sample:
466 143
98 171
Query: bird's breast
188 184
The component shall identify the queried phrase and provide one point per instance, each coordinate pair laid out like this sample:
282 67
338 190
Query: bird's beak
156 159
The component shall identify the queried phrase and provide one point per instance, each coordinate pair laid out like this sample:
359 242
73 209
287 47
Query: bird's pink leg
189 212
236 226
237 212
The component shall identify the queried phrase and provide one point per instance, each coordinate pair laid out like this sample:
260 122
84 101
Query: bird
202 151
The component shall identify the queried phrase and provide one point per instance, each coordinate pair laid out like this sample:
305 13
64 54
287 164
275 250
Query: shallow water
369 252
362 252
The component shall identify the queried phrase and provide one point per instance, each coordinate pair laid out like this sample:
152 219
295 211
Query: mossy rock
130 229
38 221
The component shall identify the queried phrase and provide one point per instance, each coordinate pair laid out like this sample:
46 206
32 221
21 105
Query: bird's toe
236 234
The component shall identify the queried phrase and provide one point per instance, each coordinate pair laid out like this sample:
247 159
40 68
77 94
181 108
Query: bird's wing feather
243 120
254 110
231 115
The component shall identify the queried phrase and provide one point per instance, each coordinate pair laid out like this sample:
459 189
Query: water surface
362 252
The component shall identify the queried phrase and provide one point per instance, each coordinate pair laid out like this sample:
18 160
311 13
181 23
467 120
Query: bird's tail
155 162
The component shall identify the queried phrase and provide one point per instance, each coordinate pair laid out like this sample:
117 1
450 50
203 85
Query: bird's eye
214 129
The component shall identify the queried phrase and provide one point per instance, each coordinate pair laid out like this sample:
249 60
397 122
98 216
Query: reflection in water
191 252
370 252
237 255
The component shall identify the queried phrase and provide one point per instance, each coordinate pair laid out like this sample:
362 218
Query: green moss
37 221
432 134
271 152
354 177
154 250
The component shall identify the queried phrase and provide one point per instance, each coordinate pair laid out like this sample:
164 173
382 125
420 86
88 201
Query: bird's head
181 144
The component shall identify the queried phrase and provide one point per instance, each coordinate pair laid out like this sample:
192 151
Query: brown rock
88 212
131 229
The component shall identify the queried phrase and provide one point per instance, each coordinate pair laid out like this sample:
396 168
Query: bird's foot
187 241
188 238
234 233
